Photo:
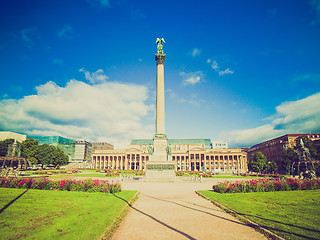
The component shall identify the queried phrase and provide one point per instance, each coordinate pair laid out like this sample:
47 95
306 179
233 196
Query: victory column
160 166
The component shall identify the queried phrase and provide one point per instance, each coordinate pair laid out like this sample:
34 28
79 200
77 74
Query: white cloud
195 52
191 78
215 66
109 111
95 77
193 101
301 116
65 32
171 93
227 71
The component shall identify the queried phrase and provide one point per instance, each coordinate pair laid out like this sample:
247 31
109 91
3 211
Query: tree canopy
44 154
272 167
4 146
289 156
257 163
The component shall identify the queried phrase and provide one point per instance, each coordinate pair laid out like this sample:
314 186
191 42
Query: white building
187 154
11 135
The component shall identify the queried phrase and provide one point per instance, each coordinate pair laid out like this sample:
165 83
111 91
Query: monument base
160 171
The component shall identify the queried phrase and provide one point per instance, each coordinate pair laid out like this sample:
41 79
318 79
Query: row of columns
196 162
184 162
122 162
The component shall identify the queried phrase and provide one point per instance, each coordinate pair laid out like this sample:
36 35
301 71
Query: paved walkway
175 211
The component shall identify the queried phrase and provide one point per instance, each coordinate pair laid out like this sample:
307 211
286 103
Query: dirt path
175 211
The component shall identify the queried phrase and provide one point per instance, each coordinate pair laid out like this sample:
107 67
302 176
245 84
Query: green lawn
234 176
291 215
41 214
89 175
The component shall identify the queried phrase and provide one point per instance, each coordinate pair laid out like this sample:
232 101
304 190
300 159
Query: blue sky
236 71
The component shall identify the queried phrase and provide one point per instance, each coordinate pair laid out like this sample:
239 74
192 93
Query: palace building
187 154
273 148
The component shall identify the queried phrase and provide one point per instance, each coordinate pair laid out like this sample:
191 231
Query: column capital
160 58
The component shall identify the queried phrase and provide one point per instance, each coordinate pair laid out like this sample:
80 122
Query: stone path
175 211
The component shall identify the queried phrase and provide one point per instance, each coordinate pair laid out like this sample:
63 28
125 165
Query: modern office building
188 155
83 151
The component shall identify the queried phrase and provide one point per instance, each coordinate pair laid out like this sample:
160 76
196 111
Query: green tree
289 156
29 150
272 167
258 162
316 145
60 158
48 154
4 146
44 154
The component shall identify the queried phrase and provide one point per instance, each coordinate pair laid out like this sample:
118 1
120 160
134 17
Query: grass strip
89 175
42 214
112 227
290 215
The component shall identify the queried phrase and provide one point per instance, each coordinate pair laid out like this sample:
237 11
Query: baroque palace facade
187 154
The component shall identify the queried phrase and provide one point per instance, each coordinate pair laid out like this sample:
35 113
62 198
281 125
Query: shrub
267 185
87 185
220 188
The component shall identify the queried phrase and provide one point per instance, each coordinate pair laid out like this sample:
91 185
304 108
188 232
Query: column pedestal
160 171
160 167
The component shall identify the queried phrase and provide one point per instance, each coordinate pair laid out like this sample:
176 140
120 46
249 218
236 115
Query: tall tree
289 156
258 162
60 158
29 150
4 146
272 167
44 154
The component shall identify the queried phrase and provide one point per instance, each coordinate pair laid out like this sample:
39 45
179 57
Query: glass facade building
65 144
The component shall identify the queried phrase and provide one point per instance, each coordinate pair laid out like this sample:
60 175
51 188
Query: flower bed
87 185
267 175
266 185
206 175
